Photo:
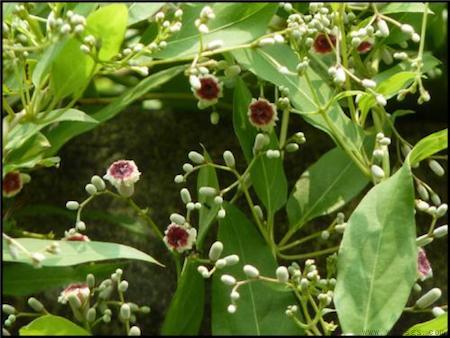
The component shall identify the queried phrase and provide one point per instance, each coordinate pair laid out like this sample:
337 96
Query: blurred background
157 135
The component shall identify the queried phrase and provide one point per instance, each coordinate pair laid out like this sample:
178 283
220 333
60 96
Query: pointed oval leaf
50 325
428 146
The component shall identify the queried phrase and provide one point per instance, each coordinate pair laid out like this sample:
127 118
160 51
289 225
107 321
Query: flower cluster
214 255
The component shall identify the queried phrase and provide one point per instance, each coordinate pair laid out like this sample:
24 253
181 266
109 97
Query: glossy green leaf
30 150
65 131
428 146
260 309
207 177
46 60
50 325
190 294
22 132
406 7
377 260
435 327
234 24
108 24
23 279
265 63
244 131
141 11
74 252
324 187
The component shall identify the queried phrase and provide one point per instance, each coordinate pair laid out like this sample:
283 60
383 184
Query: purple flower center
209 89
364 47
177 236
424 264
261 112
121 169
322 45
11 182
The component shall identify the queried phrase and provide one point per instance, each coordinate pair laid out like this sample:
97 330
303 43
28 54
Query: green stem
309 254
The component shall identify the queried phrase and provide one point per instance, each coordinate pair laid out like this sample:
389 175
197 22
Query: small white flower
80 290
367 83
339 76
180 237
381 100
123 174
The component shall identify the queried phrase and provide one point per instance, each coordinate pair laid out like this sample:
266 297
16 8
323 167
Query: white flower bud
74 301
98 182
422 205
65 29
35 304
134 331
196 157
381 100
230 260
400 56
251 271
179 179
377 172
441 231
261 140
437 311
106 318
91 314
423 192
36 259
383 28
429 298
220 263
339 76
190 206
203 271
228 280
78 29
8 309
215 251
90 280
441 210
195 82
436 168
423 240
80 226
266 42
231 308
123 286
185 195
283 70
367 83
198 205
203 28
159 16
90 189
178 13
125 312
222 213
218 200
415 37
232 71
72 205
278 38
385 141
408 29
259 212
291 147
229 159
187 167
435 199
207 191
325 235
340 228
282 274
214 44
177 218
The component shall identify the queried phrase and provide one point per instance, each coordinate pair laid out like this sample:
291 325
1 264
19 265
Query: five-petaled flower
209 91
12 184
81 290
364 47
322 43
123 174
423 266
262 114
180 237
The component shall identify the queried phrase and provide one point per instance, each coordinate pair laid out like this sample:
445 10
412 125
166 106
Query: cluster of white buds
287 6
302 66
214 255
11 312
291 310
201 23
437 211
273 39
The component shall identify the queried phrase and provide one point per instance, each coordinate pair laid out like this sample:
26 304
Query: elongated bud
80 226
408 29
145 309
90 189
251 271
340 228
422 205
90 280
304 283
177 218
98 182
383 28
234 295
291 147
35 304
203 270
282 274
196 157
179 179
8 309
435 199
91 314
441 210
231 260
228 280
266 41
207 191
259 211
220 263
72 205
134 331
185 195
194 81
229 159
437 311
215 251
429 298
187 167
381 100
436 168
423 240
423 192
260 141
441 231
125 312
377 172
123 286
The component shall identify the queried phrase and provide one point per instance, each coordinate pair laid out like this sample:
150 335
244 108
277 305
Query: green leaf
207 177
141 11
46 60
407 7
65 131
190 295
30 150
260 309
108 24
22 132
435 327
428 146
50 325
234 24
244 131
23 279
377 260
265 62
73 252
324 187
